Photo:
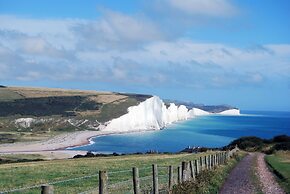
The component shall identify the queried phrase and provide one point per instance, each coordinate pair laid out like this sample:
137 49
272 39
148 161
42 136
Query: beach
55 147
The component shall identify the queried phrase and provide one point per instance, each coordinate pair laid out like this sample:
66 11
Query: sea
206 131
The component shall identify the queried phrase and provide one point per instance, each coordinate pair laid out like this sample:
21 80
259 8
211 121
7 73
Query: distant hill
1 86
208 108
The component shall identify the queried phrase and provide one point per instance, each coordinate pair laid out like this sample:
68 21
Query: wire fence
122 181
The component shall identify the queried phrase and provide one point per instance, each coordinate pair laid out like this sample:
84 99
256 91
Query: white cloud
116 30
129 49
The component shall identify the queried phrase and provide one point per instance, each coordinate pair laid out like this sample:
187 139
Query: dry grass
28 92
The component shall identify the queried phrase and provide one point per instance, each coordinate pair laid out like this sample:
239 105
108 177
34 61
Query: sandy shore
55 148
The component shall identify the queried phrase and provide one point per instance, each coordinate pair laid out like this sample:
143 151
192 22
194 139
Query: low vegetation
280 164
268 146
17 158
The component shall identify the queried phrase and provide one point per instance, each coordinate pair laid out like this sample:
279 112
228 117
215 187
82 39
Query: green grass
280 164
255 178
33 173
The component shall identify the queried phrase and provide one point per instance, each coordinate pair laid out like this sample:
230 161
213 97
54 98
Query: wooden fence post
205 162
103 182
185 171
192 170
225 157
170 178
155 179
196 167
179 174
136 181
46 189
200 163
208 161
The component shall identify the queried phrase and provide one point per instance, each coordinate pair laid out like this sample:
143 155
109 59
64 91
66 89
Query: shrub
282 146
281 138
247 143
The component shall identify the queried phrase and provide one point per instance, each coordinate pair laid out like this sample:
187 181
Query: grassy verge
280 164
34 173
209 181
255 177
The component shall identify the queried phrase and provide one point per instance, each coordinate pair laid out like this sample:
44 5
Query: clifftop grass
280 164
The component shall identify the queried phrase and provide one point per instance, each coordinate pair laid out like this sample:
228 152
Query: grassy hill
54 111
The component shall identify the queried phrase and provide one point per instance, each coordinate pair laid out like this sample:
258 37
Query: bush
282 146
247 143
198 186
281 138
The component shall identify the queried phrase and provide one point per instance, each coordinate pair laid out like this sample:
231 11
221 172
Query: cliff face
148 115
230 112
152 114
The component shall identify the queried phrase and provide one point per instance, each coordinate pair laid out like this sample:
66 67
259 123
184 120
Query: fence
155 179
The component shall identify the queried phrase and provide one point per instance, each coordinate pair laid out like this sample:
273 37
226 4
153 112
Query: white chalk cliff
197 112
230 112
152 114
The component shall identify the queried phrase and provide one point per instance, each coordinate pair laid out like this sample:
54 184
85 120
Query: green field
19 175
280 164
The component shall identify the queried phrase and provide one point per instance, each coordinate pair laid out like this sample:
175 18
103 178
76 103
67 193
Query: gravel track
267 179
239 180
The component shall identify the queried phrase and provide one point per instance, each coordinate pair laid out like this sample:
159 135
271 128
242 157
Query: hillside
34 113
208 108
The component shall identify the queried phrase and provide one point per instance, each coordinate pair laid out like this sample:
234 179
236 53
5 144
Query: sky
202 51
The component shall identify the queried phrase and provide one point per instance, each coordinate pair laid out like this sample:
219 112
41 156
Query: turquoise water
209 131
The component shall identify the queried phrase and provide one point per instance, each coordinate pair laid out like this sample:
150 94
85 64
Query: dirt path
241 180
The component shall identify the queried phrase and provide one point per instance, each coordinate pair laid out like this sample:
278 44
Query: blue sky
204 51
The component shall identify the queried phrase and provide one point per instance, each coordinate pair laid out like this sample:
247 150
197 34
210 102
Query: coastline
60 143
56 147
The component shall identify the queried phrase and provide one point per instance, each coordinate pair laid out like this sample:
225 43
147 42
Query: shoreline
57 147
61 143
